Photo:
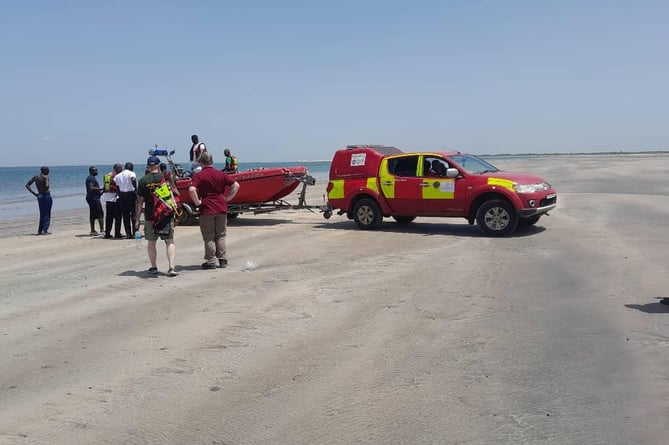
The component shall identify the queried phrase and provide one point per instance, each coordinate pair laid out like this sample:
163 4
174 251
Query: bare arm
138 210
192 191
28 186
234 188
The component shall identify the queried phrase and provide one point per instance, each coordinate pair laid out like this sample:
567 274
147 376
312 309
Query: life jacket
109 183
165 205
198 150
231 164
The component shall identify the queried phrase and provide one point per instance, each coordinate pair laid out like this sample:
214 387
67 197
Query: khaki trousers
213 229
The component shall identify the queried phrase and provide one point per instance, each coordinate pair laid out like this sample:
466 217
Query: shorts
95 207
150 235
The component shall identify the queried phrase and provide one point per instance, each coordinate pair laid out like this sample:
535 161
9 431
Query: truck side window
405 166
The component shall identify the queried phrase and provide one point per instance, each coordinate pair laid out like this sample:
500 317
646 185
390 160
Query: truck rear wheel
367 214
497 218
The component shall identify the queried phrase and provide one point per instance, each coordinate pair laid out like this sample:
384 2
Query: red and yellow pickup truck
370 182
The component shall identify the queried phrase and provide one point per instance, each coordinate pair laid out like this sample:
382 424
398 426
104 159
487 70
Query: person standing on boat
230 162
44 200
127 196
207 190
196 151
93 192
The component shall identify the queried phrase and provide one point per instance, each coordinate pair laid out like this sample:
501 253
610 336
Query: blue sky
98 82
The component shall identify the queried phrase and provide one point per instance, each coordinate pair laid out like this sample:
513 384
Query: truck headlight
531 188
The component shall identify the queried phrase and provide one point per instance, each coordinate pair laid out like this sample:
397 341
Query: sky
99 82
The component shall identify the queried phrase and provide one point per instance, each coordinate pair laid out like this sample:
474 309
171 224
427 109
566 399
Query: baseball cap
153 160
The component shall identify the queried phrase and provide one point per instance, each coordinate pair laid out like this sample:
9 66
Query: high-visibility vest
109 184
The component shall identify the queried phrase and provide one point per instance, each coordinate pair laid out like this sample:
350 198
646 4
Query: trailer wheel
327 214
367 214
497 217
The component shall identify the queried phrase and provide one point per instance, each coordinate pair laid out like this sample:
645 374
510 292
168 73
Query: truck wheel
185 219
404 219
497 218
526 222
367 214
233 215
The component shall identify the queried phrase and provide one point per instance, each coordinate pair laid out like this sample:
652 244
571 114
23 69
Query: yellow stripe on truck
371 184
337 191
501 182
387 180
439 189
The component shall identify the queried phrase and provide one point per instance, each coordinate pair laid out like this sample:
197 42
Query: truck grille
546 202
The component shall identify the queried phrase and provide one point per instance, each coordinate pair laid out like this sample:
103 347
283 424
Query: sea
68 188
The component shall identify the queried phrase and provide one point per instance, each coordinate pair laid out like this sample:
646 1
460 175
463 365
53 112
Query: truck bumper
526 213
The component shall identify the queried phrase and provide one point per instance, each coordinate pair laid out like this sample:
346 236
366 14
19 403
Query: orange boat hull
258 186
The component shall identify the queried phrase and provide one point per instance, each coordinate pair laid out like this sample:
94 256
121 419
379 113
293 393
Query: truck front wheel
497 218
367 214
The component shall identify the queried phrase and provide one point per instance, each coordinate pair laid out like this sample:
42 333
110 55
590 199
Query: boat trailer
190 213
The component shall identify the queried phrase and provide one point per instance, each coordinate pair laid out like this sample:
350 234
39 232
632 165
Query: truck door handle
387 182
424 184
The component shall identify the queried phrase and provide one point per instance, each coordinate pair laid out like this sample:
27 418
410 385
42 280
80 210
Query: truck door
400 184
440 195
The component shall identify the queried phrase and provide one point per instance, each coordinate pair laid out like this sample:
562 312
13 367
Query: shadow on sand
660 307
430 228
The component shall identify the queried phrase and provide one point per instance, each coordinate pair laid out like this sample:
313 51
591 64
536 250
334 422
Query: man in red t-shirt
207 190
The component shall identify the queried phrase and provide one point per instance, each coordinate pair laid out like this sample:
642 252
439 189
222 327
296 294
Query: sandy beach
429 333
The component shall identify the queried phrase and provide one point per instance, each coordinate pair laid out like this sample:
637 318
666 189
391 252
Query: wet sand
419 334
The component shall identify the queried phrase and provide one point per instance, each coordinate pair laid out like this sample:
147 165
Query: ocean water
68 188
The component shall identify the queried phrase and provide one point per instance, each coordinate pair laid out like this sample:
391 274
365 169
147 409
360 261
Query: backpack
166 205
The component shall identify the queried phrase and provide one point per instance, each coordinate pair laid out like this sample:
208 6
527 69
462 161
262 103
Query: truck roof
385 150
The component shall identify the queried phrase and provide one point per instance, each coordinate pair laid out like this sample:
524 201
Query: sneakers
94 233
170 272
208 266
222 263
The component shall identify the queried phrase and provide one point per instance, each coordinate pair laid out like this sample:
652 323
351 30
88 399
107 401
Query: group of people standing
210 190
119 193
126 197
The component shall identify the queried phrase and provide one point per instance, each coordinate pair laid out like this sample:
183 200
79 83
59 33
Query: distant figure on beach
207 190
230 162
127 196
145 197
110 198
196 151
93 192
44 200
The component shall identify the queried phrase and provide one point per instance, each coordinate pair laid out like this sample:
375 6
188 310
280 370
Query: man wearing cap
207 190
146 184
126 181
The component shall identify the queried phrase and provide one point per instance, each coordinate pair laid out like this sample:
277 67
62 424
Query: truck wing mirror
452 173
